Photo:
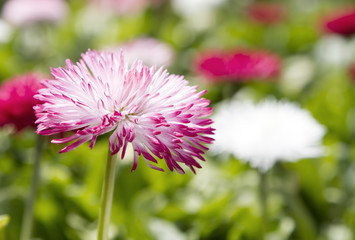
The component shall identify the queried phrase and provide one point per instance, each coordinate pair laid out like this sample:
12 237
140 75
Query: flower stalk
27 221
106 197
263 190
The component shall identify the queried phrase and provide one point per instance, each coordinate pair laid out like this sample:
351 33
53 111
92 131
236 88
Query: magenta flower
341 22
266 13
17 101
156 112
238 65
23 12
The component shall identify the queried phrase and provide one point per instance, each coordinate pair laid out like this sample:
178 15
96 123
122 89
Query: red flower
267 13
16 101
341 22
239 65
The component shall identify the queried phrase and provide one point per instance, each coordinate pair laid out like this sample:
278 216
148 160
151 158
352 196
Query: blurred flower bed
239 50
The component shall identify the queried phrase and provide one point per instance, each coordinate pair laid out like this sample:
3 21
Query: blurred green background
309 199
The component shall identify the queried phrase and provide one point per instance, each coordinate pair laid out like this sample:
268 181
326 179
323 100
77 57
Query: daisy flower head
17 101
158 113
267 132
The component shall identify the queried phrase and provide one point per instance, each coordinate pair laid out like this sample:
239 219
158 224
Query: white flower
188 7
297 73
199 13
6 31
267 132
162 229
333 51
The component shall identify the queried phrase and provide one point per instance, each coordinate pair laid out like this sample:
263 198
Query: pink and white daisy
158 113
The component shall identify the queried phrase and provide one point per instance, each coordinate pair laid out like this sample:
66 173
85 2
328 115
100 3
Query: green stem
263 201
4 220
27 220
106 197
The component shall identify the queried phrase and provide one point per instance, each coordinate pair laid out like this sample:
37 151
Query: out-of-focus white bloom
92 22
339 232
163 229
297 73
333 50
5 31
284 230
197 12
267 132
149 50
23 12
188 7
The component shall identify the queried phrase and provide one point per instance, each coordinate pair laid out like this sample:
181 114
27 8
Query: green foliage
309 199
4 221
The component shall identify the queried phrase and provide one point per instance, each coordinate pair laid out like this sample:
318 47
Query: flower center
111 119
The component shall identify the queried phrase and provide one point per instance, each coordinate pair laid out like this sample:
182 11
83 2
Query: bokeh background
308 199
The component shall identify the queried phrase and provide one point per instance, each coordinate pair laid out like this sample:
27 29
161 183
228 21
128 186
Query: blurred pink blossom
124 7
149 50
341 21
266 13
17 102
23 12
238 65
